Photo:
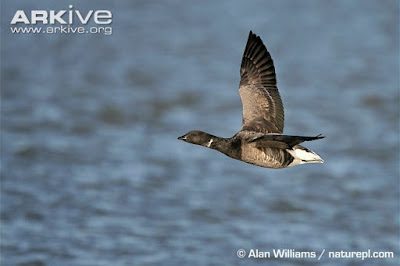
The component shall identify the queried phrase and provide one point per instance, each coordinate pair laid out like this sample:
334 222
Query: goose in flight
260 141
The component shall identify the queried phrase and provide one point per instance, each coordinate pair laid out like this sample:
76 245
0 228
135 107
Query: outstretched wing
262 104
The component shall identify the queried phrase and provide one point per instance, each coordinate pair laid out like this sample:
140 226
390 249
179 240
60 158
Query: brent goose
260 141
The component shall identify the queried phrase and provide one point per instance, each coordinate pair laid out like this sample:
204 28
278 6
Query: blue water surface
92 172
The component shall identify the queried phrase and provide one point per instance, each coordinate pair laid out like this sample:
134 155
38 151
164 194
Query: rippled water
92 172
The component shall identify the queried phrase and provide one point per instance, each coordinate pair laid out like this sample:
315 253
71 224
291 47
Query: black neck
216 143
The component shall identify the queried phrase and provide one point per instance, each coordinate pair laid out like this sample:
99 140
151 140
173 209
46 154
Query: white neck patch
209 143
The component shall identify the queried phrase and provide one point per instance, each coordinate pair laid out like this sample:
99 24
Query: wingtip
251 33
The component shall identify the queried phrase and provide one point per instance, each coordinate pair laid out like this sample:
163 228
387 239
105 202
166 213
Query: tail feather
302 155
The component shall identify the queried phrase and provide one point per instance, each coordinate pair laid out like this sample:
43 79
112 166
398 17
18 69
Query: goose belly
266 157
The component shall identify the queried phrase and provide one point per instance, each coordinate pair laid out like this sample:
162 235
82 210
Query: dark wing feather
290 141
262 104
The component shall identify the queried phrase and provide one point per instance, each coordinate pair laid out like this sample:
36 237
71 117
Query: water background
92 172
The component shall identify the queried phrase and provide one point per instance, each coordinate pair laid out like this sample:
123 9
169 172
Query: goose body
260 141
